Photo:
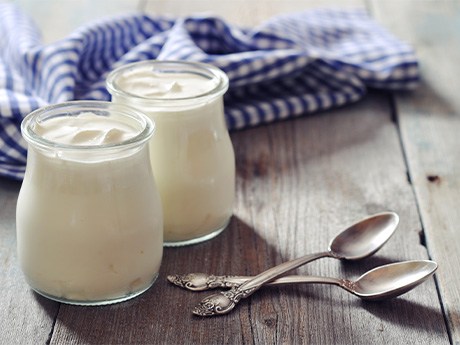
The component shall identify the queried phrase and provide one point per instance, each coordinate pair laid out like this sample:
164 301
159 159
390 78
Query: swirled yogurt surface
148 83
86 129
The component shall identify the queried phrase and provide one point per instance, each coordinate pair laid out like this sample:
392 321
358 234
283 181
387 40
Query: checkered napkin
291 65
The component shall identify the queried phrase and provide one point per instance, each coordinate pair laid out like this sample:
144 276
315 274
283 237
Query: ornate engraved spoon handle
203 282
224 302
193 281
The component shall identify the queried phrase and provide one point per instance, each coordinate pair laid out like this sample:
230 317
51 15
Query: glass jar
89 219
192 155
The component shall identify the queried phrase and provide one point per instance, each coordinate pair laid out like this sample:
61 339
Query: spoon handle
212 281
225 301
272 273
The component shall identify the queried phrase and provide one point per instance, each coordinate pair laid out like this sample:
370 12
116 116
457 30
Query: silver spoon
356 242
380 283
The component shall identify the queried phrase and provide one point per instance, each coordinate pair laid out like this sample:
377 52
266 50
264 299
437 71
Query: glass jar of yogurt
191 154
89 219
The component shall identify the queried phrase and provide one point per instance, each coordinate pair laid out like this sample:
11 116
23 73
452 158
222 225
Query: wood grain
430 125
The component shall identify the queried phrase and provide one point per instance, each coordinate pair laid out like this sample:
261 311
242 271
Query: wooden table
299 182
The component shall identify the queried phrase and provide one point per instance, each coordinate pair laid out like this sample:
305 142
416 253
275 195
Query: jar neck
137 80
83 155
45 128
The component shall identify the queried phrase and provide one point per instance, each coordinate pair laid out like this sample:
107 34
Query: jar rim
78 107
181 66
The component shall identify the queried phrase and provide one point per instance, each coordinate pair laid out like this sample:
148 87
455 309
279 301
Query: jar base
196 240
123 298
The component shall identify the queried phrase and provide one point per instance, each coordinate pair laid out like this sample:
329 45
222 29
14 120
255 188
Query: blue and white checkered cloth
291 65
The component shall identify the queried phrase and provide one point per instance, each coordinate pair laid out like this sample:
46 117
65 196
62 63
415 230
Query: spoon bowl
365 237
392 280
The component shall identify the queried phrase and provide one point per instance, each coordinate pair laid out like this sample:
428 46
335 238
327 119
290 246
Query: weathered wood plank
430 125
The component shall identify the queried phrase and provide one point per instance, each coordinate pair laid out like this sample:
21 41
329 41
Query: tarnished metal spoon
380 283
356 242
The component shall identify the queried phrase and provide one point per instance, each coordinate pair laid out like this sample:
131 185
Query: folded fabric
291 65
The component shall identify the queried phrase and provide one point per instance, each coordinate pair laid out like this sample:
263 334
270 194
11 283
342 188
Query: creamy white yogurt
144 81
89 222
191 153
86 129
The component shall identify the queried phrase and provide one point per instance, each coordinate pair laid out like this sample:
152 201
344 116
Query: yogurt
85 129
89 218
146 82
191 154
